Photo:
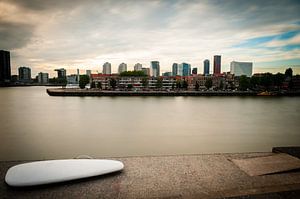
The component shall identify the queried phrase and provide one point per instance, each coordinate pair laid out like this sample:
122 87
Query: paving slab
274 163
291 150
182 176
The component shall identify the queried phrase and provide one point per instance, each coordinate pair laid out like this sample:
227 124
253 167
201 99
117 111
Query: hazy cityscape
150 99
181 77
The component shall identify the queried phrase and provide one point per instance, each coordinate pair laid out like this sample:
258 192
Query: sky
45 35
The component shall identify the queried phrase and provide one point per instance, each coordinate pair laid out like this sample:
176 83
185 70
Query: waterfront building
122 68
43 78
217 64
25 74
106 68
174 69
206 67
168 81
195 71
61 73
103 79
186 69
167 74
241 68
138 67
155 69
5 71
146 71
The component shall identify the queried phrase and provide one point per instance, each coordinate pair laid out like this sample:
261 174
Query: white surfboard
54 171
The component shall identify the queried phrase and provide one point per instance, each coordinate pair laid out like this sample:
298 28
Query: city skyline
72 34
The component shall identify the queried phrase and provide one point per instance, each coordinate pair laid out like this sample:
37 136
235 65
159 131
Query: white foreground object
53 171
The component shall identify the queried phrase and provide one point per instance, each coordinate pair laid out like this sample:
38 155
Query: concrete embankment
95 92
180 176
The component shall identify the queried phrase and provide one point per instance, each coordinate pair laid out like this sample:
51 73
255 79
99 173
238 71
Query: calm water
34 125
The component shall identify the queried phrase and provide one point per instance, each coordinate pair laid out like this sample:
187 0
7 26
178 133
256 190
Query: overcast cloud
84 34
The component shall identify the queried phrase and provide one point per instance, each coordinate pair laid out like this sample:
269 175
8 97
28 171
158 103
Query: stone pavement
181 176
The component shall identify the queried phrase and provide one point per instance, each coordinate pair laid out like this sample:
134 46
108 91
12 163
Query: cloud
85 34
15 35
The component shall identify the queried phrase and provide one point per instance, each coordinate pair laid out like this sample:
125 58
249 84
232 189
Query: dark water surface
34 125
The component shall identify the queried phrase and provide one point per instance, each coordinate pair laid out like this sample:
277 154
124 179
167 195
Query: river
35 126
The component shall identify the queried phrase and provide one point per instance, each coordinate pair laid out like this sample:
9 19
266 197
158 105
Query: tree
289 73
159 83
266 80
93 85
278 79
208 83
254 82
129 86
133 73
243 83
83 81
113 83
185 84
99 85
178 84
197 86
221 86
173 86
145 82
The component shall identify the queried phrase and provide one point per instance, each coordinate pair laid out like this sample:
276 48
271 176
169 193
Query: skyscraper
61 73
195 71
24 74
138 67
122 68
180 69
217 64
174 69
206 67
106 68
5 72
155 69
241 68
186 69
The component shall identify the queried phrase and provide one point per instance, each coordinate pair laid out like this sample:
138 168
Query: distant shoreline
95 92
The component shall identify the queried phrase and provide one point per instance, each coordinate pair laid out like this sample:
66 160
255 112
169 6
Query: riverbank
179 176
96 92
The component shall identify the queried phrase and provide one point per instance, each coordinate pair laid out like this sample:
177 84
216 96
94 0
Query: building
174 69
195 71
155 69
167 74
122 68
179 70
88 73
24 74
138 67
146 71
241 68
73 79
5 71
217 64
106 68
206 67
186 69
61 73
43 78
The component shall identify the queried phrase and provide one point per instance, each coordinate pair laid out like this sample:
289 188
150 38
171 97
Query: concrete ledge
182 176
